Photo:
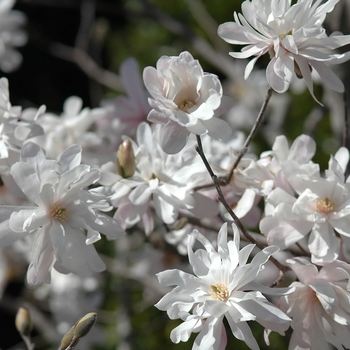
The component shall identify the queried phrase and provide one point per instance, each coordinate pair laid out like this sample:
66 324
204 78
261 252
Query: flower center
219 291
282 36
58 212
186 105
325 205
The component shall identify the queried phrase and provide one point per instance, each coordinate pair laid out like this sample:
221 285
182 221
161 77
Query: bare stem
27 341
222 199
252 133
87 65
225 180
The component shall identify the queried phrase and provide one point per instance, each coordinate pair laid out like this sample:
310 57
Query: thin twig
221 61
27 341
222 199
87 65
207 23
252 133
225 180
87 18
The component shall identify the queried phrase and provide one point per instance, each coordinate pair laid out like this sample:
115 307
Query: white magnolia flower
222 286
71 127
11 35
322 207
319 306
292 35
65 217
185 100
17 127
160 180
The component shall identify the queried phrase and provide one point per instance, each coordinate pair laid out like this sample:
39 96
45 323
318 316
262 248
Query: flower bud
126 159
23 322
79 330
67 339
180 224
83 326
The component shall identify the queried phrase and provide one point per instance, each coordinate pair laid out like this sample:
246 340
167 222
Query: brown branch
87 65
249 139
222 199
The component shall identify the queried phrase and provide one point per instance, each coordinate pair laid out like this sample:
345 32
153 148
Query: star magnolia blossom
65 219
185 100
319 305
70 127
292 35
322 207
160 180
223 286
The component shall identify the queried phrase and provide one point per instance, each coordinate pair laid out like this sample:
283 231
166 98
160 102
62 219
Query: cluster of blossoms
133 164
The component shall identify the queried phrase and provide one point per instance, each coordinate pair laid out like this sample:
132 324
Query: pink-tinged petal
218 129
335 271
128 214
304 270
267 314
284 233
328 76
173 137
148 221
133 84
